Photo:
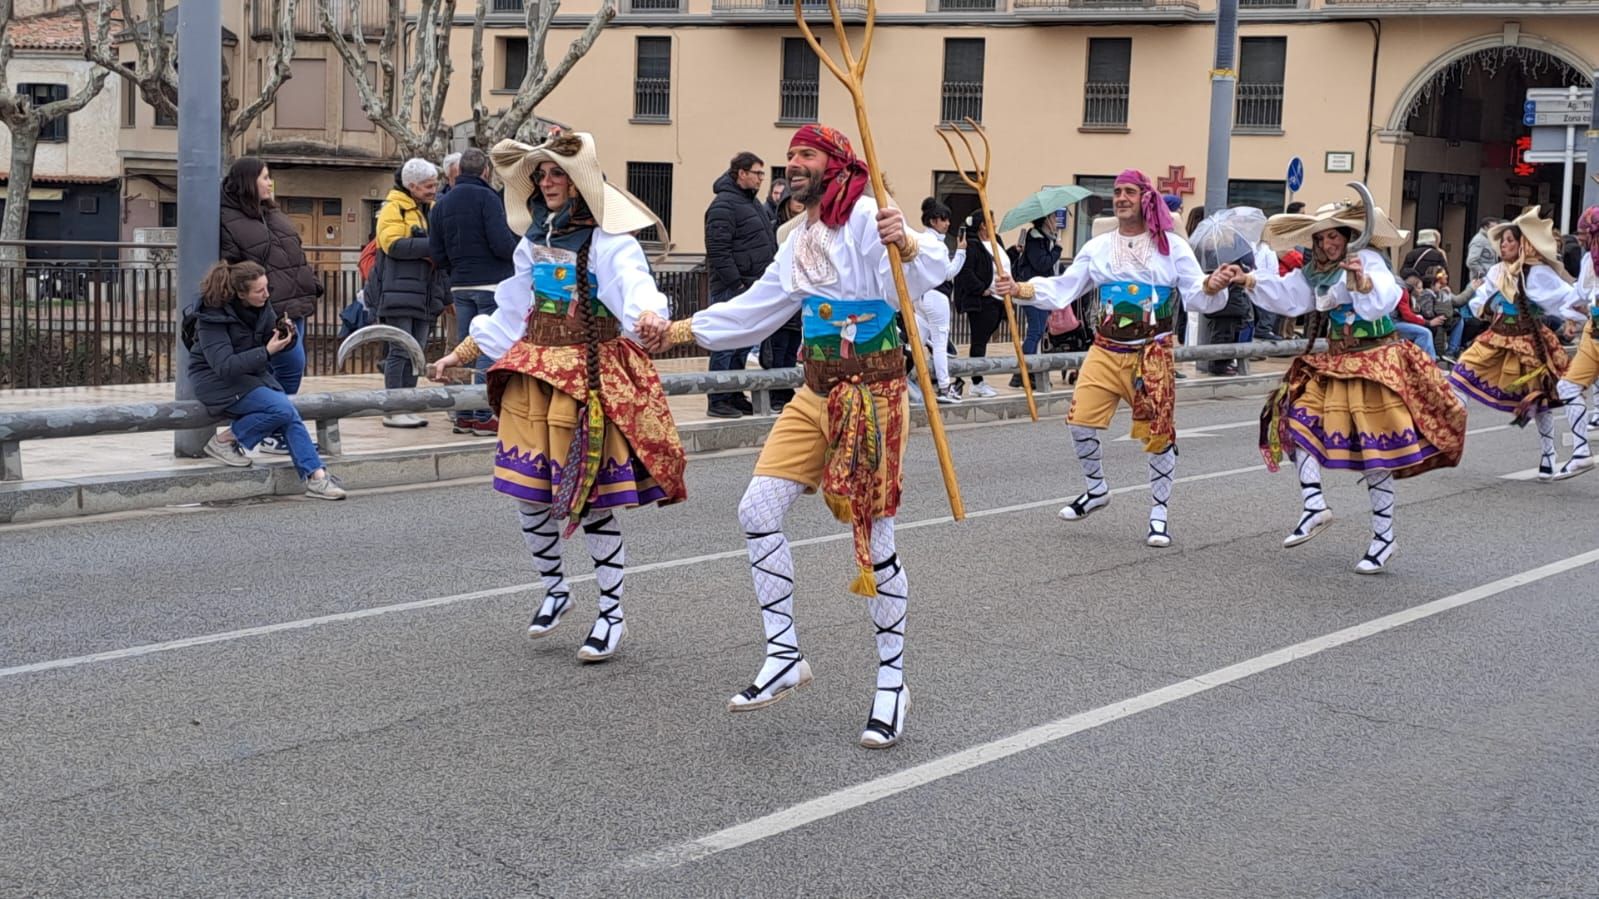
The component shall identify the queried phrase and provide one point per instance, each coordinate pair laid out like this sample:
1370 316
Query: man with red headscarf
844 431
1584 368
1137 268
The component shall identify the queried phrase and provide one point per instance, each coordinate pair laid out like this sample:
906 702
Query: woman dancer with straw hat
1371 403
1516 364
585 429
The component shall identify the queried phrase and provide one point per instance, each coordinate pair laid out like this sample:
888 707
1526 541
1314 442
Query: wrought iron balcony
852 10
1153 6
373 16
652 6
797 100
1105 104
652 98
962 100
971 5
1258 108
1269 4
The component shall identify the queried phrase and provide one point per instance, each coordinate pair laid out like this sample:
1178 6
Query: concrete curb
23 501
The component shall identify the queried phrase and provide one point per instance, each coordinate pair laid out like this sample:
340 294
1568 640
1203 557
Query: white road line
304 623
883 787
1523 475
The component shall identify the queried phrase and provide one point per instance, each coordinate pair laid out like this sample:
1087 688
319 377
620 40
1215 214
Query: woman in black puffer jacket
232 338
255 230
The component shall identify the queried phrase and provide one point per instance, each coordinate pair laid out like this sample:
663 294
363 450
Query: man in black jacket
472 245
740 243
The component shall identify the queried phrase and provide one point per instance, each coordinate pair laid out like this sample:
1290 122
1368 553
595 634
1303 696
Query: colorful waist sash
849 340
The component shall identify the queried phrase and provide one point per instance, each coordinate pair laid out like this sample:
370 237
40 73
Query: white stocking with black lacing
1085 441
603 535
542 534
1545 419
766 502
1162 469
1314 515
1577 420
888 611
1380 488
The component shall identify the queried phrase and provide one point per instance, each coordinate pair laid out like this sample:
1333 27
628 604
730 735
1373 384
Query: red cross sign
1175 181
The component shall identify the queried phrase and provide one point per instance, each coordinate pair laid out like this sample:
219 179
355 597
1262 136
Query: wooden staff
853 75
978 181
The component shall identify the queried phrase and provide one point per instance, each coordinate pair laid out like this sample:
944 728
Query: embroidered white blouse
844 263
1112 257
1547 290
627 288
1292 295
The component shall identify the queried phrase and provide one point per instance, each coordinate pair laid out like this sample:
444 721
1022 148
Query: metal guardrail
327 409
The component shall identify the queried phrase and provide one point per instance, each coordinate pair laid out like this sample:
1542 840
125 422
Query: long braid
1530 315
585 317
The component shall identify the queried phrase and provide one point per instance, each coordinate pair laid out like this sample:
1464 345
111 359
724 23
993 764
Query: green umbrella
1043 203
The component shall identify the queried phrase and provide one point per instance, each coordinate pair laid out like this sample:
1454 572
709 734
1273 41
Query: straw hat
1537 232
1290 230
615 210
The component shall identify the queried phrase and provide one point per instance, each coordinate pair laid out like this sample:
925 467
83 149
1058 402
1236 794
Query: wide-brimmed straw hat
615 210
1290 230
1537 232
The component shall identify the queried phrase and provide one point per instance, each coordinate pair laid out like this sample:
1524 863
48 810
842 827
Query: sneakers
984 391
404 420
272 446
723 410
742 404
229 453
325 487
462 424
947 396
490 428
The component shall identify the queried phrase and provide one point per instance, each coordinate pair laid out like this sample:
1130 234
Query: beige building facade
1421 98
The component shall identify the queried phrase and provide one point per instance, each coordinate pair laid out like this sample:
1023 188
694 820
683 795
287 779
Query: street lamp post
1218 155
199 177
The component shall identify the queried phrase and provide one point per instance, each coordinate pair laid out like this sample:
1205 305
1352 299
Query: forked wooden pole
853 76
978 181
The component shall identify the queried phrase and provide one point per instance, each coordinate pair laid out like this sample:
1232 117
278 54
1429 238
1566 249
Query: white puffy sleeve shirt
627 288
1547 290
1292 295
1094 266
862 264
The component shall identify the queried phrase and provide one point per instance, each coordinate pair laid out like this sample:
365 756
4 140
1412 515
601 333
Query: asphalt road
299 698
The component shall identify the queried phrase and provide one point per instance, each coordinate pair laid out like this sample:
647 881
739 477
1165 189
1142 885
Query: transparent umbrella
1228 236
1043 203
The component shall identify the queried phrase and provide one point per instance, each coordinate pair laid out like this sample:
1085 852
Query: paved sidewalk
145 452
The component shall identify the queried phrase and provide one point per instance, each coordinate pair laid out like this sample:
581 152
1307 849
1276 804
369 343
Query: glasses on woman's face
551 174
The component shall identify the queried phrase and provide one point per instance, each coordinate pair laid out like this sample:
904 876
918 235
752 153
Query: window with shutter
797 91
963 80
55 130
1261 65
652 79
652 183
1106 92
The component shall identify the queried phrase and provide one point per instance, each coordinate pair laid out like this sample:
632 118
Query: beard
810 190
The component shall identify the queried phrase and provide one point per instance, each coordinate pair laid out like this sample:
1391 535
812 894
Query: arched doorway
1463 119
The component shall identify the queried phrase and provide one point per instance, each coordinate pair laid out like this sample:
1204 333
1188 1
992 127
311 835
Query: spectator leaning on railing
232 336
253 229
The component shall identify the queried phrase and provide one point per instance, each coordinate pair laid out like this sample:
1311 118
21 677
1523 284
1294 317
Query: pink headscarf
1589 225
1156 216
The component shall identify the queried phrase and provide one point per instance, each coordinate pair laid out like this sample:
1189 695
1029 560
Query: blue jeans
1037 325
289 366
727 360
1419 335
264 412
468 305
1456 332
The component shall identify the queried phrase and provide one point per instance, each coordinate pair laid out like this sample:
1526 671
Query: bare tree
422 77
26 121
538 79
154 73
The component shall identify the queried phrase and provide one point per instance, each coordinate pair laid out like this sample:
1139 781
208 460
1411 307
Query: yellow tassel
839 506
1527 378
865 584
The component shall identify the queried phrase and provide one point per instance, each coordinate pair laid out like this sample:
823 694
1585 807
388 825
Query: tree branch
279 67
480 112
528 98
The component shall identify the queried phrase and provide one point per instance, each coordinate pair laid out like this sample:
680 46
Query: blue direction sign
1296 173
